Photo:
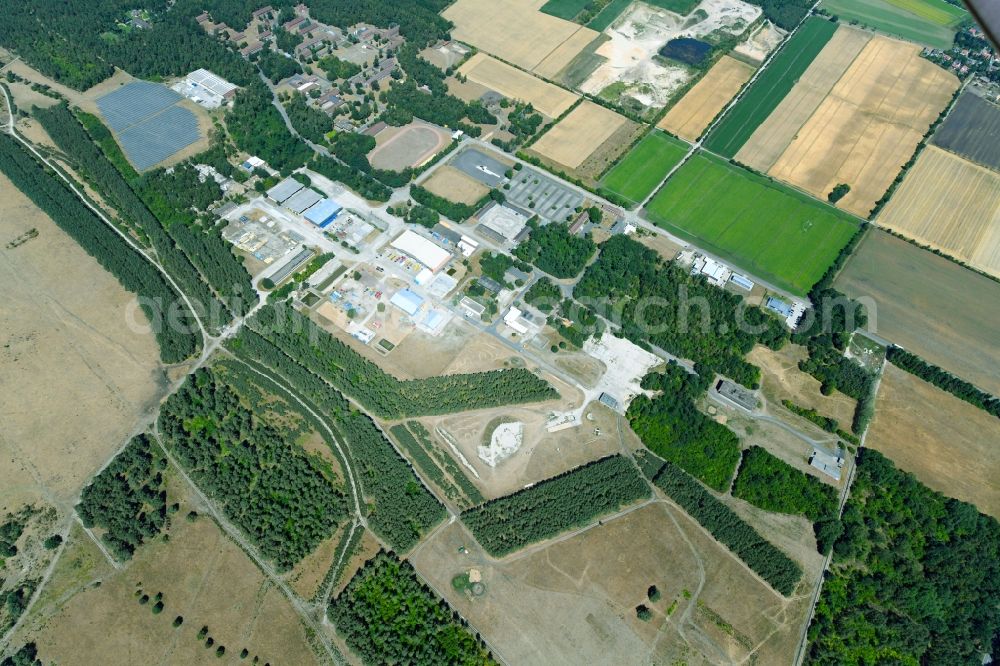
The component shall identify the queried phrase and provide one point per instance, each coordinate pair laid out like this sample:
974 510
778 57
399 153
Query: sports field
770 87
635 176
927 22
690 116
771 231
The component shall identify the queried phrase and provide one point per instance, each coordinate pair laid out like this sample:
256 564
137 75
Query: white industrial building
207 89
428 253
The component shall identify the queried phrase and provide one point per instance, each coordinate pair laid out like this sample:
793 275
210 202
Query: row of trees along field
554 250
458 212
671 426
773 485
690 318
388 616
915 577
283 498
421 452
400 509
572 499
943 379
127 499
381 393
221 275
779 570
159 302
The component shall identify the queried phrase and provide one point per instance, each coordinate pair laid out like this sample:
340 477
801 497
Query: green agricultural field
774 232
615 8
642 169
929 22
770 87
564 9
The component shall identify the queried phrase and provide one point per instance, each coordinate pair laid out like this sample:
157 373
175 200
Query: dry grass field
578 135
773 136
869 124
511 82
74 377
944 313
947 443
203 576
692 114
575 598
949 204
781 379
515 31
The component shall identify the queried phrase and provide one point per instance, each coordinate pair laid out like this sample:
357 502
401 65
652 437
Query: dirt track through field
869 124
952 205
773 136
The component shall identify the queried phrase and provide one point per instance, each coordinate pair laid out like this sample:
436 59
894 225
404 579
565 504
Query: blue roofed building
407 301
324 212
779 306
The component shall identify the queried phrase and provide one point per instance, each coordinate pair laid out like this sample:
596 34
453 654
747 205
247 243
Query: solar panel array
149 124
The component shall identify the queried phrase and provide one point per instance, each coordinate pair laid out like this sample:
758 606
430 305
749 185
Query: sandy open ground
690 116
408 146
454 185
773 136
869 124
576 598
75 378
511 82
515 31
781 379
950 204
947 443
759 44
579 134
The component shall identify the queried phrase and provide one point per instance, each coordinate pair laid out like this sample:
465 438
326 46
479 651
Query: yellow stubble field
950 204
690 116
869 125
578 135
511 82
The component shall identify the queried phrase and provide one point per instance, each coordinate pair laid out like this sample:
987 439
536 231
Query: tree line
421 451
281 497
127 499
688 318
671 426
554 250
915 576
572 499
388 616
943 379
400 509
381 393
767 561
159 302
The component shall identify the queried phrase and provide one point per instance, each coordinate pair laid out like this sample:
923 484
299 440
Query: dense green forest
780 571
362 183
458 212
286 500
434 464
671 426
26 655
544 295
222 275
773 485
275 65
308 121
257 128
381 393
388 616
943 379
661 303
400 508
572 499
160 303
915 577
127 499
553 249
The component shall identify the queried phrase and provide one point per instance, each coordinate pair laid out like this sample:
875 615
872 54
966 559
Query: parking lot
534 191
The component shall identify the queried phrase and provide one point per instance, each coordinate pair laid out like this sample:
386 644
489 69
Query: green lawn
893 18
642 169
615 8
772 231
770 87
564 9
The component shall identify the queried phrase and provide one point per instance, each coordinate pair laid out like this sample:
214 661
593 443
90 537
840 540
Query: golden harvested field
515 31
950 204
690 116
575 598
773 136
203 576
869 124
947 443
578 135
511 82
74 378
781 379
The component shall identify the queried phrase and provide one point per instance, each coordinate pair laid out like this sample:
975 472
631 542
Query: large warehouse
212 88
285 189
323 213
430 254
